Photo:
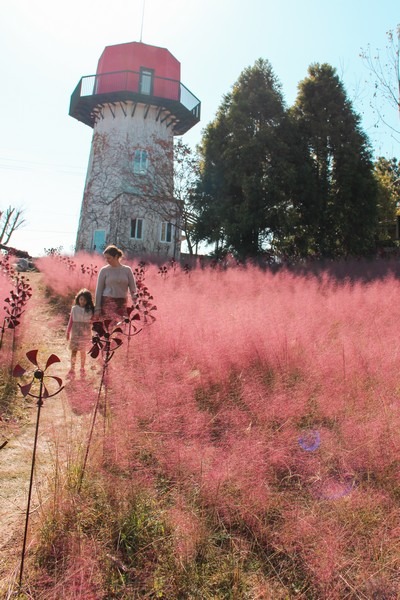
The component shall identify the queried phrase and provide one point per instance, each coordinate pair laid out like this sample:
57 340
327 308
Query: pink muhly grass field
271 400
64 275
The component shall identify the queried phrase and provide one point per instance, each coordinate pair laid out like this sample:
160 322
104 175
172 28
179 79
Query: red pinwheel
38 375
128 321
92 269
163 271
13 308
104 340
145 305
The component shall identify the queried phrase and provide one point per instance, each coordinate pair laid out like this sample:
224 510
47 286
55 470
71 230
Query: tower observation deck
136 73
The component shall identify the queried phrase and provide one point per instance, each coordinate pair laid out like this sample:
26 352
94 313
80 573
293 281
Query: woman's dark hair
89 300
113 251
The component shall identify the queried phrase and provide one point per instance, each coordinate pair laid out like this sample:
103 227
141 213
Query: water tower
135 104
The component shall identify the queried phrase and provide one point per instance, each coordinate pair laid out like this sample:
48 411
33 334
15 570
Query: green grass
11 403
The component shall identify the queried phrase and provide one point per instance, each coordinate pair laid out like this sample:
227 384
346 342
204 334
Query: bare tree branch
384 68
10 220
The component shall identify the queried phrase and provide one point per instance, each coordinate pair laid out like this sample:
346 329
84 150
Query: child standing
79 328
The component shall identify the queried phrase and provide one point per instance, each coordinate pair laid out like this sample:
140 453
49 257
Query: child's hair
89 300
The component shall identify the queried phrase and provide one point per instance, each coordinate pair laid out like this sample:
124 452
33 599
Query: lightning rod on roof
141 28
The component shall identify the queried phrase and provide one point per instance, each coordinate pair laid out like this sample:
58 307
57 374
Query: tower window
137 229
140 162
166 232
99 240
146 81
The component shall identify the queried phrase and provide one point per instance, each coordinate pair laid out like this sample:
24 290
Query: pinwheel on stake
13 307
10 321
163 271
27 390
130 329
140 273
90 270
38 375
104 343
141 311
145 305
68 262
104 340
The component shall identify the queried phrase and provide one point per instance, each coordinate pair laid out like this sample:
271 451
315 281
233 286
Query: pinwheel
145 305
104 343
70 264
163 271
104 340
13 310
146 309
10 321
23 287
140 273
38 375
132 315
13 307
173 264
90 270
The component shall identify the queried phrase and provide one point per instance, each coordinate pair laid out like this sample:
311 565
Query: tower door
146 81
99 240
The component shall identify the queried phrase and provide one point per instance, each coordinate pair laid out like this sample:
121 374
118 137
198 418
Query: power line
14 164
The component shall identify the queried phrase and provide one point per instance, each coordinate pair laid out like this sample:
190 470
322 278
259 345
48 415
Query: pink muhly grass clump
372 445
188 531
64 274
82 577
320 544
236 482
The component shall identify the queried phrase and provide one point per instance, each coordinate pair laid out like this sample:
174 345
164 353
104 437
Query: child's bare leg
73 361
83 359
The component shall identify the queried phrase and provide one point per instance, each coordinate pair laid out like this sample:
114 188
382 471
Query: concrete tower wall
128 196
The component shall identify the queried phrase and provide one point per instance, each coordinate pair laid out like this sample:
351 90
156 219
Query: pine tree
245 163
340 211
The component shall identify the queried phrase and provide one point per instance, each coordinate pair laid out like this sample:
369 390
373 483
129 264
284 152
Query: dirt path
59 424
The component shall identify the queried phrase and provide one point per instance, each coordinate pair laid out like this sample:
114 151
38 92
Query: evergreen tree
242 199
339 210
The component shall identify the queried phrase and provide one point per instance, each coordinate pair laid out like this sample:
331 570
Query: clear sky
46 47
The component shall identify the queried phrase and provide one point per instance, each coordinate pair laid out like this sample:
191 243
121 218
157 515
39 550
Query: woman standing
112 287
